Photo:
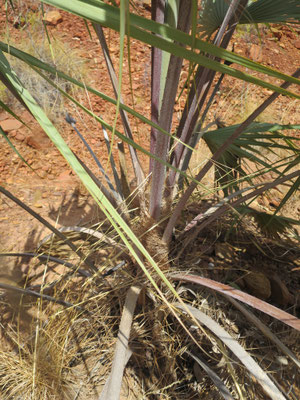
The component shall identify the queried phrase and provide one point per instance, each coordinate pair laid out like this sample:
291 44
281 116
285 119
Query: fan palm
178 35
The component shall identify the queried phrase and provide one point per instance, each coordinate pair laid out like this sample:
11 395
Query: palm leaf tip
271 225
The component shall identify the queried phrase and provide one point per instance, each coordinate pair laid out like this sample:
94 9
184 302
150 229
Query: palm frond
261 11
272 11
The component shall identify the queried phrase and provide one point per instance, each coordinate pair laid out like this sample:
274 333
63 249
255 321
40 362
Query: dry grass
65 353
33 39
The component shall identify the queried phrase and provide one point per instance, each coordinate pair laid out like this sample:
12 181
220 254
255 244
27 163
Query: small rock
42 174
46 167
52 18
31 142
10 125
26 117
256 53
296 44
64 175
20 137
258 284
282 360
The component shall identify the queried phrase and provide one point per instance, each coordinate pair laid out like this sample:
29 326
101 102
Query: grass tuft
58 54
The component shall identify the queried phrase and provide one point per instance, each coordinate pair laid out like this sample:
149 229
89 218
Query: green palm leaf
248 146
272 11
261 11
